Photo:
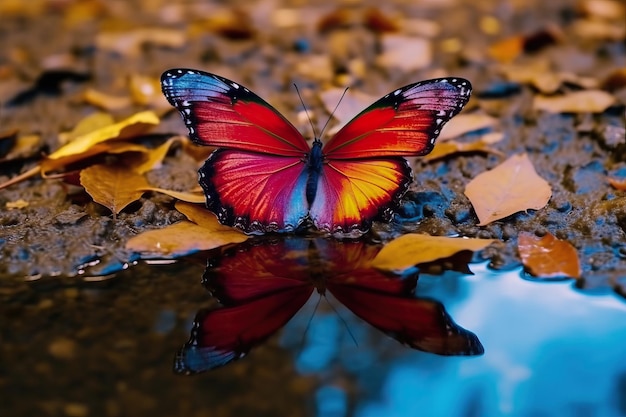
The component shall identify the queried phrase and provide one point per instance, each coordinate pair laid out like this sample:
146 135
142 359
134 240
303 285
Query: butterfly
262 286
264 176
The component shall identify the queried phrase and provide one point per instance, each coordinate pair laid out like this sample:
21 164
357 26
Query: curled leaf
547 256
132 126
412 249
508 188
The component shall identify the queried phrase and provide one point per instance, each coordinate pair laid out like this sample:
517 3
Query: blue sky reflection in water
549 351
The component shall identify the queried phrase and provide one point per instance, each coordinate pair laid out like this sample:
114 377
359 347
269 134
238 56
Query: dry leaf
19 204
106 101
548 257
618 183
186 237
135 125
465 123
131 42
23 146
589 101
88 124
112 186
188 196
412 249
146 91
507 50
406 53
154 157
450 147
508 188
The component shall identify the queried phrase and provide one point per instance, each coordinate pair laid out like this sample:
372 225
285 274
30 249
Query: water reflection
261 286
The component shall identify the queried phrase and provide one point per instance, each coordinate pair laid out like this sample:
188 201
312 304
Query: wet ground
79 346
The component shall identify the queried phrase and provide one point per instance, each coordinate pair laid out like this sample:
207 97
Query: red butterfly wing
419 323
219 112
352 193
225 334
255 192
405 122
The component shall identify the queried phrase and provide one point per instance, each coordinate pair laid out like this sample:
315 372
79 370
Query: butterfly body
266 178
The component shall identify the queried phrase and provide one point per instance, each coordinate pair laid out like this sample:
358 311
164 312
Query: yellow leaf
180 195
508 188
465 123
19 204
587 101
133 126
450 147
88 124
202 232
412 249
182 238
113 187
154 157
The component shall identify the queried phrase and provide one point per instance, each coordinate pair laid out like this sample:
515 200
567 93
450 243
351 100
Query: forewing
255 192
222 335
221 113
405 122
350 194
422 324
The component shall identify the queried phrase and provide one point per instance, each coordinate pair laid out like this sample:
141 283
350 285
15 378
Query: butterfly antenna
308 325
345 323
307 112
334 110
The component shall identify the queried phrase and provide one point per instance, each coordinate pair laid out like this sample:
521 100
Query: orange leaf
186 237
507 50
548 257
618 183
508 188
412 249
113 187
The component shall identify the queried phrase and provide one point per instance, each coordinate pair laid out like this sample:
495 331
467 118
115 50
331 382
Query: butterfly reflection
262 286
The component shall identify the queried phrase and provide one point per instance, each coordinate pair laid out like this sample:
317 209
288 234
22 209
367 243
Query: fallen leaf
131 42
588 101
450 147
465 123
146 91
406 53
22 146
154 157
135 125
618 183
88 124
188 196
506 50
412 249
112 186
106 101
19 204
186 237
508 188
547 256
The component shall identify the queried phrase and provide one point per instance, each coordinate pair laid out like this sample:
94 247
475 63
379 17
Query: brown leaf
112 186
186 237
547 256
190 197
508 188
412 249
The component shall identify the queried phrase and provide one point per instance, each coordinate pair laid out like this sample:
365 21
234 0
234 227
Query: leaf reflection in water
262 285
